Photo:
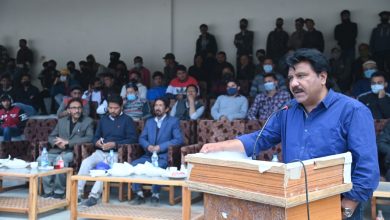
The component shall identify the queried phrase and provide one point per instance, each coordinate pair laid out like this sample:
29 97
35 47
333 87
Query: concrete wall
72 29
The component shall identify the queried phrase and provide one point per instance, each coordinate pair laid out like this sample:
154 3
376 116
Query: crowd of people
119 95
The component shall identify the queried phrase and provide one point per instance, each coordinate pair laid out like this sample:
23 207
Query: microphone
285 107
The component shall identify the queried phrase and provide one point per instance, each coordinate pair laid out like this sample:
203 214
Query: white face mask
376 88
62 78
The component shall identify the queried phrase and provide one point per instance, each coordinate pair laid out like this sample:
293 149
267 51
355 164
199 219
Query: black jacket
380 108
313 39
345 34
211 45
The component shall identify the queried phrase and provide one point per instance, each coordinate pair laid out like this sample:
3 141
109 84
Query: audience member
109 86
6 86
219 86
75 74
135 77
170 67
383 142
14 71
135 106
269 101
339 70
61 86
25 56
86 74
94 92
345 34
75 129
380 42
158 90
112 130
28 94
139 67
246 69
260 56
243 41
12 118
158 135
114 61
357 65
48 75
258 81
377 100
198 70
189 108
75 93
179 84
277 41
206 42
296 38
95 68
121 74
313 38
219 66
231 106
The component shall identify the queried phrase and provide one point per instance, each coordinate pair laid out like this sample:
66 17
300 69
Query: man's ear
323 76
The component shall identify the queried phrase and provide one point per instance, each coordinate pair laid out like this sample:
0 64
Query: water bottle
380 215
111 158
275 158
155 159
44 158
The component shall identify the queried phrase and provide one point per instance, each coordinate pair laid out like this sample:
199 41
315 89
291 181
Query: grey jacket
82 132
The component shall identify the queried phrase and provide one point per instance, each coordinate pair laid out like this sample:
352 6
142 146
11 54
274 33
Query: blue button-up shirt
337 125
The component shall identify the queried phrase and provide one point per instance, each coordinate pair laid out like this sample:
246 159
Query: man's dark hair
379 74
232 80
115 54
164 100
136 73
271 75
25 75
71 62
53 62
132 85
181 67
269 58
23 40
194 86
93 80
76 87
345 12
317 60
138 58
158 73
83 63
203 26
309 19
300 20
115 99
74 100
110 75
244 20
221 52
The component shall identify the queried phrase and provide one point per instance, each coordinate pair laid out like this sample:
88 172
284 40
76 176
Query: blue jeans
357 214
161 163
9 132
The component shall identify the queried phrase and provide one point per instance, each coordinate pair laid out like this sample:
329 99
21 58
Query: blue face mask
368 73
131 97
267 68
231 91
376 88
269 86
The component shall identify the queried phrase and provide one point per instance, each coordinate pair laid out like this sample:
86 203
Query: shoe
59 195
138 200
91 201
155 201
47 195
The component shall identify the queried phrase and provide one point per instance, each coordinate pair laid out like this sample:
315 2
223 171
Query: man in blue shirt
319 122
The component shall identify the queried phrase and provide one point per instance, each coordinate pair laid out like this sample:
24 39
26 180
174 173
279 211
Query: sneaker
91 201
47 195
138 200
59 196
155 201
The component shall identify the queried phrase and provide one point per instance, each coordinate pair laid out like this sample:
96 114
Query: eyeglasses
75 108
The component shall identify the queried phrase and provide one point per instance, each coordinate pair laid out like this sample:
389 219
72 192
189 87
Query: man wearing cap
75 92
178 85
12 118
380 42
170 66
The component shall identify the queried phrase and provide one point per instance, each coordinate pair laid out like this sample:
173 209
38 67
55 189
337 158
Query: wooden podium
247 189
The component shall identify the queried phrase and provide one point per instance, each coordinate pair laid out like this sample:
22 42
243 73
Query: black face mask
243 26
384 20
26 83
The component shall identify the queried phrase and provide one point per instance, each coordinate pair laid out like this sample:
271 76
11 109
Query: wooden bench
383 191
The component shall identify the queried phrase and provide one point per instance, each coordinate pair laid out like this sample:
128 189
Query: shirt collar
112 118
161 119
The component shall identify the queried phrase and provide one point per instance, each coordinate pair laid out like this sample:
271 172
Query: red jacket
13 117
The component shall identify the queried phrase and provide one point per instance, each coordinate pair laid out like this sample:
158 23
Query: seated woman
188 108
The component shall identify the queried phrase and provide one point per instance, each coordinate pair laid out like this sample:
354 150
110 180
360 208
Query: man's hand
223 118
347 203
108 145
60 142
211 147
152 148
191 99
99 143
381 94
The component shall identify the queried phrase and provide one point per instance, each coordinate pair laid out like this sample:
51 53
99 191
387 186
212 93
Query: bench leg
373 208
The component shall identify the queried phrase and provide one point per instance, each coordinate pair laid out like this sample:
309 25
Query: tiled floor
61 214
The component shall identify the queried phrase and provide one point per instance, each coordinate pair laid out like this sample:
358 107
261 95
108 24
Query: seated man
158 134
134 106
12 119
258 81
268 102
383 142
178 85
75 129
94 92
189 108
113 129
231 106
28 96
377 100
158 90
135 77
75 92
